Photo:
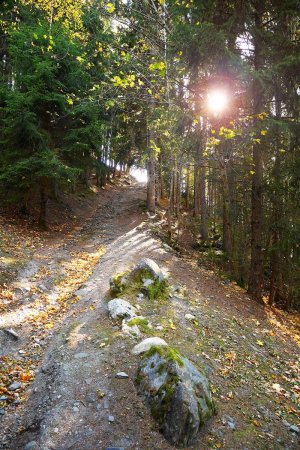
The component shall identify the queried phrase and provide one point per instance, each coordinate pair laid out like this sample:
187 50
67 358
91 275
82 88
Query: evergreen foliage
86 86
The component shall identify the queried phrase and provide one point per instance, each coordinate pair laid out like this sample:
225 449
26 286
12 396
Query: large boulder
120 309
177 393
147 269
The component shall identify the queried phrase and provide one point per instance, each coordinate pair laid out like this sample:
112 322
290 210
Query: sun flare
217 101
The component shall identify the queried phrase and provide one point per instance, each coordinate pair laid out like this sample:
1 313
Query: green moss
139 377
142 275
143 324
118 276
134 284
137 321
116 284
169 353
166 393
157 290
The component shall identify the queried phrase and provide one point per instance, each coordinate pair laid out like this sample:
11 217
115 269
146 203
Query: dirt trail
75 401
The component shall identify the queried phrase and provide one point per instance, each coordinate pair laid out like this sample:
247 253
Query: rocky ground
59 388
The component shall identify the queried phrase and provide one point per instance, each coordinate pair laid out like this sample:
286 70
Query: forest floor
64 359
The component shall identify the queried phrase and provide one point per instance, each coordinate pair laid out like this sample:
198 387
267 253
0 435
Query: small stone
159 327
3 398
75 409
148 282
14 386
121 375
30 445
294 429
12 333
81 355
119 309
2 412
230 422
132 332
111 419
55 430
190 317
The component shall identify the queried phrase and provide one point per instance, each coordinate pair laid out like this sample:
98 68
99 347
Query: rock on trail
178 394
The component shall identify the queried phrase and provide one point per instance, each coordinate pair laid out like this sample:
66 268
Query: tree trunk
42 221
187 187
255 284
196 189
151 183
277 208
203 206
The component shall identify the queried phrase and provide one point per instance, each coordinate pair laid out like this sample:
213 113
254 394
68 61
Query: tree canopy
203 94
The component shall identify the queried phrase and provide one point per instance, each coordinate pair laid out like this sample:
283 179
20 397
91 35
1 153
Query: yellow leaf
172 326
110 7
260 343
50 325
256 423
213 131
263 132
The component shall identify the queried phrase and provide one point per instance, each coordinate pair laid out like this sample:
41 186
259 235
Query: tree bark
187 187
255 283
203 206
42 221
151 182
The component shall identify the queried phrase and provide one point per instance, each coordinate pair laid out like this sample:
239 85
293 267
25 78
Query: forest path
75 401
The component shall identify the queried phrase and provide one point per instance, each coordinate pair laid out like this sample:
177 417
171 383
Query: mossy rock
147 268
129 283
143 324
118 282
177 393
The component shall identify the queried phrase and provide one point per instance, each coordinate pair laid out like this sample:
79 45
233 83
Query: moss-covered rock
118 282
177 393
145 277
141 322
147 268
